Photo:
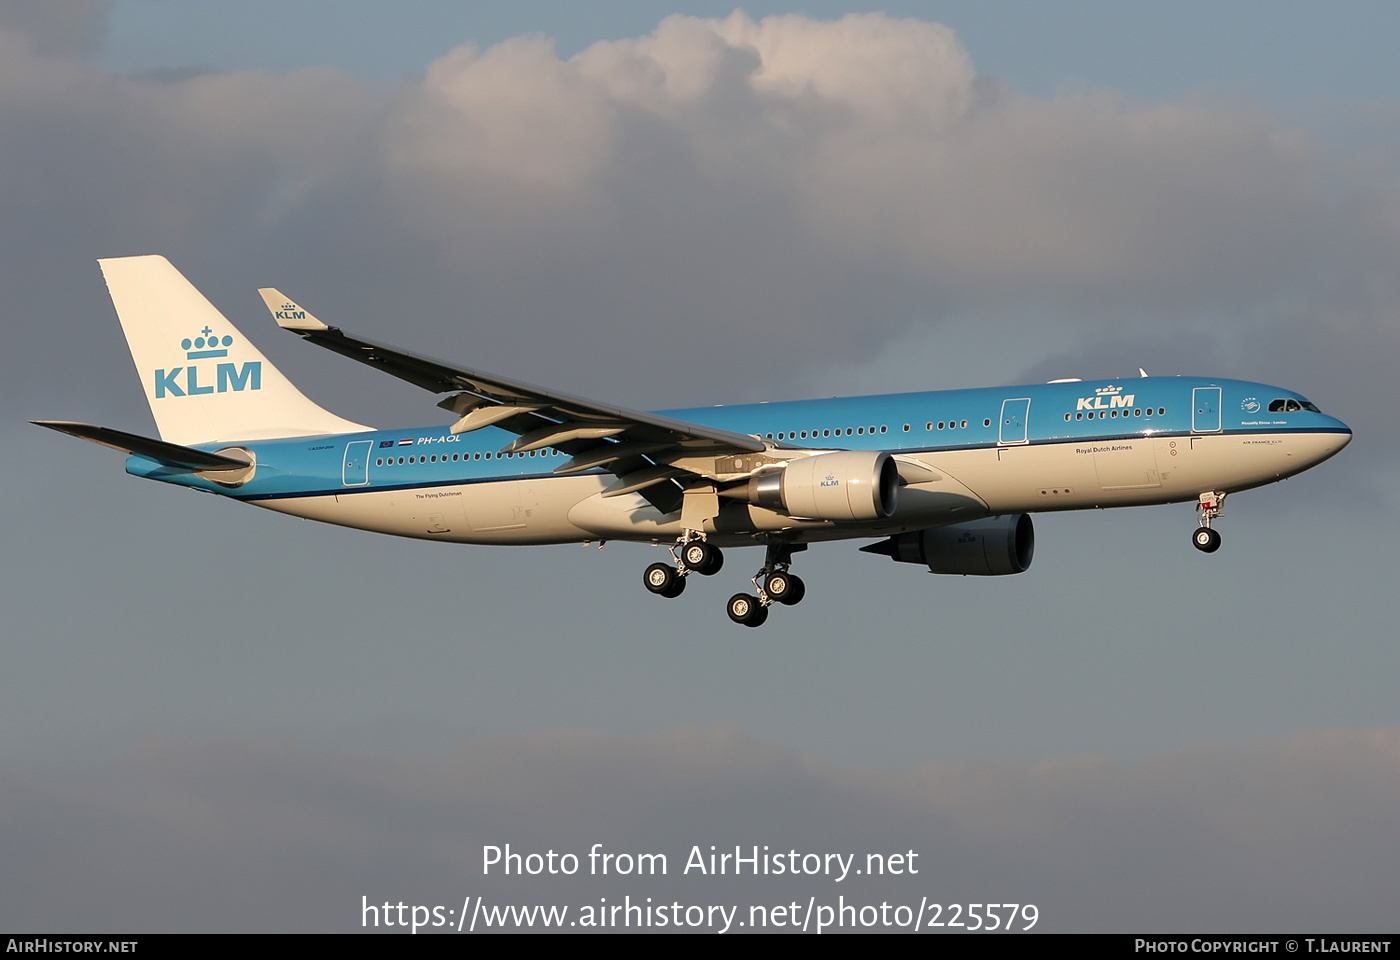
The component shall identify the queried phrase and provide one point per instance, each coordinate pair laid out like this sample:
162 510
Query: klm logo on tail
227 376
289 311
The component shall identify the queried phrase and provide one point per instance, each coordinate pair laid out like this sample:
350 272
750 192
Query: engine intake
845 485
993 547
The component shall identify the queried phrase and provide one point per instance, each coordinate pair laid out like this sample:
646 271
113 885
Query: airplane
945 479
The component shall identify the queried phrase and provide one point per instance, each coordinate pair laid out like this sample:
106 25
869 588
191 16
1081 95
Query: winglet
287 313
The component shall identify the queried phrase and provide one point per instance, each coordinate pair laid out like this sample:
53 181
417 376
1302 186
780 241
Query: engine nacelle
845 485
992 547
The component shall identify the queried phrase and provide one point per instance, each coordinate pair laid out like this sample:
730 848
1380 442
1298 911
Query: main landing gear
1206 538
775 583
692 555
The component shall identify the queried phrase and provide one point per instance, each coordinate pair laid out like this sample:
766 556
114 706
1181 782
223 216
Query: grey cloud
226 835
58 27
755 199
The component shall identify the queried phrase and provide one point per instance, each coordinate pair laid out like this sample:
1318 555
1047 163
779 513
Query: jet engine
992 547
845 485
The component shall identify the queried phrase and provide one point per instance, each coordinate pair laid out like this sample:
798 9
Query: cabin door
1013 420
354 472
1205 410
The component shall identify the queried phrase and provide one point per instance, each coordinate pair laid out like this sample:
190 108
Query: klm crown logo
289 311
199 345
227 376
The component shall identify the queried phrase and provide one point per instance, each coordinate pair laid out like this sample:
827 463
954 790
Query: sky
214 718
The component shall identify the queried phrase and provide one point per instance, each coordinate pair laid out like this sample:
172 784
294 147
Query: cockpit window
1289 405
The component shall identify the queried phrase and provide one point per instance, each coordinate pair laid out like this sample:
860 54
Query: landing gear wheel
785 588
661 579
1206 540
747 610
702 558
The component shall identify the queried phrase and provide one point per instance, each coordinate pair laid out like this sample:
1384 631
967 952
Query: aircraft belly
503 512
1028 477
629 516
382 511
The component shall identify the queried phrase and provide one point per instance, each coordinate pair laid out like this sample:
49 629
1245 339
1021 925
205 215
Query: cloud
63 28
747 202
223 835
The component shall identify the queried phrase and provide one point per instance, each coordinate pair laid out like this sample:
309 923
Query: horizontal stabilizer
170 454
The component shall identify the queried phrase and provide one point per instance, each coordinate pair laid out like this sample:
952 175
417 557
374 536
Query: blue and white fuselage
948 478
988 451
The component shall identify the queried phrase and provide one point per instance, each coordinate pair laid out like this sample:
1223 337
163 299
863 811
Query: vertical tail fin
205 382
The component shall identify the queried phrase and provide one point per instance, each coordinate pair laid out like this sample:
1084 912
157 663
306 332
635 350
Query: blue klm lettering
228 376
250 376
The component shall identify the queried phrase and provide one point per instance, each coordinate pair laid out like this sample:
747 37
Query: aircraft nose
1333 442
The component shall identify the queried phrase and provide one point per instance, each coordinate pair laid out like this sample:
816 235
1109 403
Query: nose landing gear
1206 538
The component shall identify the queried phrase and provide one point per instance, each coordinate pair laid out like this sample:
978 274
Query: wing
655 456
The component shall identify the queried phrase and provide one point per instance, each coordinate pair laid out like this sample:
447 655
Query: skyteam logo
1105 398
289 311
227 376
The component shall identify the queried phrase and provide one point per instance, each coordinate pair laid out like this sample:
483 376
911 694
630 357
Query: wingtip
288 314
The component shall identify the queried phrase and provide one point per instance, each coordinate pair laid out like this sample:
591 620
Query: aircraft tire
660 578
745 609
1206 540
797 589
703 558
778 586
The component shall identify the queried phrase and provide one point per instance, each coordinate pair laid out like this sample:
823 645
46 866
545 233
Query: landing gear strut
774 583
692 555
1206 538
